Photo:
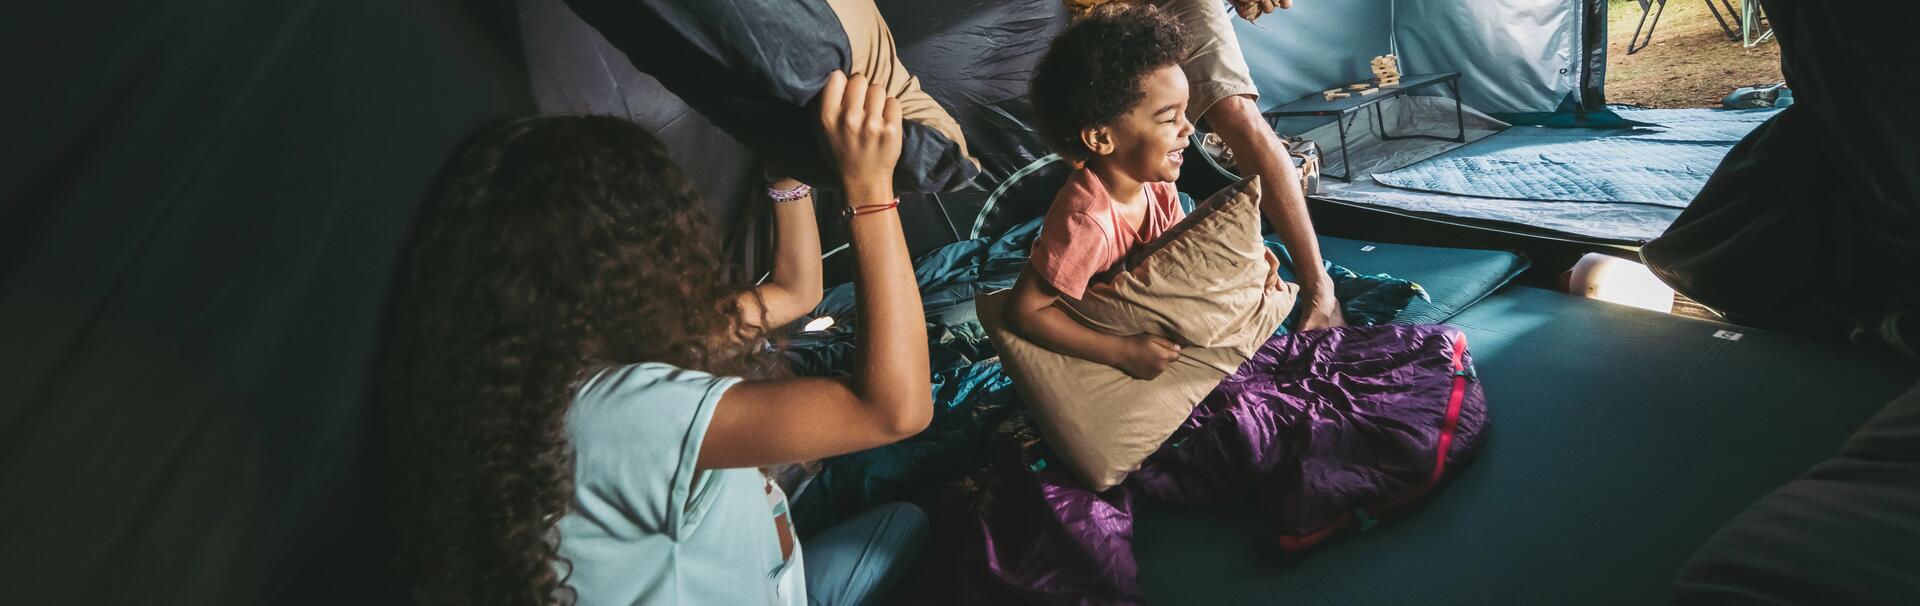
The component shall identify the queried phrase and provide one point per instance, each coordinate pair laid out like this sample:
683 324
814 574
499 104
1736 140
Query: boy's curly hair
1092 73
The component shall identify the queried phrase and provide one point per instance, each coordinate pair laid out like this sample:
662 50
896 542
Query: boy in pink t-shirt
1110 93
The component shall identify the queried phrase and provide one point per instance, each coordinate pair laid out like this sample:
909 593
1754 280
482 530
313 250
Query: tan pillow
1202 284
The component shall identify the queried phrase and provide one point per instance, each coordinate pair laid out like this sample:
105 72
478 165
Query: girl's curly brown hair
553 247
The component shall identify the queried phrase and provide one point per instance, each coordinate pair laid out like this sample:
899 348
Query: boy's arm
1033 314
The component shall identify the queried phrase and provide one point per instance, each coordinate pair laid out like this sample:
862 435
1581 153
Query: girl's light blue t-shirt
646 527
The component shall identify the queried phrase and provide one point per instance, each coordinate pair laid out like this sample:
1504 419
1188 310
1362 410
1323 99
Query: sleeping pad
1323 430
970 393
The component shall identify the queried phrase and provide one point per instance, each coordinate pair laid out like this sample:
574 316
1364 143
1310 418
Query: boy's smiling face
1147 141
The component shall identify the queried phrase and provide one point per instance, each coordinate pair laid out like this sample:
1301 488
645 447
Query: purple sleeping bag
1323 430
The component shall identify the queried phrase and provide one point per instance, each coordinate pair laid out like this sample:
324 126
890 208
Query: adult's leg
1223 95
855 561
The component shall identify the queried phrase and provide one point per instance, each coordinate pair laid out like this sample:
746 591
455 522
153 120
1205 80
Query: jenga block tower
1386 70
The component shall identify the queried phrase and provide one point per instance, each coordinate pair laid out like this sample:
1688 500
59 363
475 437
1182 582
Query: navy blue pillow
754 66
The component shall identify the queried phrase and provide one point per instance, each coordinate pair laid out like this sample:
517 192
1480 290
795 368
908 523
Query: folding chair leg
1635 44
1725 27
1750 20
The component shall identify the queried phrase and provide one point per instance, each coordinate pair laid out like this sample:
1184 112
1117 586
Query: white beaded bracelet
788 195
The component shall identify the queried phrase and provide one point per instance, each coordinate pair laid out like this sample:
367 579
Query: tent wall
1314 46
1515 56
574 70
199 215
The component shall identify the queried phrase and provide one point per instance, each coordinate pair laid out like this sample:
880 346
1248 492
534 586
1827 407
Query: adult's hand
1254 9
1319 309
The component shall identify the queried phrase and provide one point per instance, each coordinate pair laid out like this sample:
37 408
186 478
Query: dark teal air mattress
1454 277
1621 440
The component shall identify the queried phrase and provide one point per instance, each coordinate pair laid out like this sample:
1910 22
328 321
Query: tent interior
204 203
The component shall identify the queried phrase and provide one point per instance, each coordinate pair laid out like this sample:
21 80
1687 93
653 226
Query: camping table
1317 105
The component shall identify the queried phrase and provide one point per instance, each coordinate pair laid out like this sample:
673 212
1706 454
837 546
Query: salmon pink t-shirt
1084 239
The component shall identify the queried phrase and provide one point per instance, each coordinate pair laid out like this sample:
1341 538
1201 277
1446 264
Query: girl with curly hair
576 403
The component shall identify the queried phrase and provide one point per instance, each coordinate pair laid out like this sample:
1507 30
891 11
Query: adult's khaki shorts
1215 68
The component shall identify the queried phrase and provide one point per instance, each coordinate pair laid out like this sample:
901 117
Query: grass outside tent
1690 63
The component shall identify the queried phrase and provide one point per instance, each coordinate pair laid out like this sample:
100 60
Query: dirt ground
1691 63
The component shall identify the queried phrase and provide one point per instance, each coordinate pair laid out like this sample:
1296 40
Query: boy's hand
1146 356
1273 271
862 128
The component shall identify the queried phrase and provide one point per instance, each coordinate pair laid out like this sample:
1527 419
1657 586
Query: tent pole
1393 28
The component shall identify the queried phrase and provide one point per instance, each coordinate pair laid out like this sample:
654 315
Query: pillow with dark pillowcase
754 66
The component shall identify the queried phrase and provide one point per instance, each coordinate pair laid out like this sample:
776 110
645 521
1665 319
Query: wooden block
1335 91
1369 91
1336 95
1360 86
1386 65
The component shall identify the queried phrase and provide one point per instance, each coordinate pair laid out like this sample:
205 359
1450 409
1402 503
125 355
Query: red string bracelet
868 209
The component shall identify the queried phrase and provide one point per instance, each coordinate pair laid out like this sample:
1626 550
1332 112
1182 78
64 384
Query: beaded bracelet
788 195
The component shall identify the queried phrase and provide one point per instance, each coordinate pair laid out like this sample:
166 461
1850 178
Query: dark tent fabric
574 70
976 58
1815 216
199 211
